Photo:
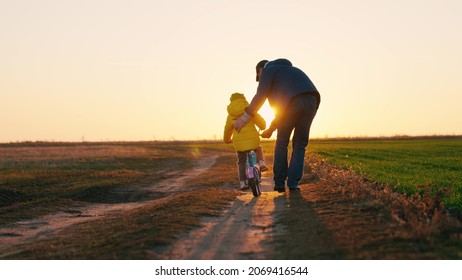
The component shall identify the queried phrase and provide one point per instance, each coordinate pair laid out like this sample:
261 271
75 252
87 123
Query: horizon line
337 138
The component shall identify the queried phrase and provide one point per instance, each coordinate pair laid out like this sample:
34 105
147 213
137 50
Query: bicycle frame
253 173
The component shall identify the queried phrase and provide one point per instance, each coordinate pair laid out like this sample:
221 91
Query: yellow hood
237 105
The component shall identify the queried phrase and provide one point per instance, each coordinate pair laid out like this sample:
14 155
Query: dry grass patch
37 176
132 235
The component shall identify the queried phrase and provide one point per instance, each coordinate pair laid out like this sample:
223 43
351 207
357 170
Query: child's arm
228 131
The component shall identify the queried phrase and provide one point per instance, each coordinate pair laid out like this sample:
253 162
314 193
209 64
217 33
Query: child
247 138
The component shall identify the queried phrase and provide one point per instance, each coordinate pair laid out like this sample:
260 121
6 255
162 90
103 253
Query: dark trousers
297 118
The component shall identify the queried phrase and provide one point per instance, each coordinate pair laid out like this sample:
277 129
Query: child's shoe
263 166
243 186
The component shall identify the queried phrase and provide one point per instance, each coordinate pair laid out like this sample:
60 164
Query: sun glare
267 113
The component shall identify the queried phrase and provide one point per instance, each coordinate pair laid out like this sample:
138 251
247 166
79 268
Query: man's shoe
280 189
295 188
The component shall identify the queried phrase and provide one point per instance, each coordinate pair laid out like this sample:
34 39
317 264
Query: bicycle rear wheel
258 179
253 186
257 188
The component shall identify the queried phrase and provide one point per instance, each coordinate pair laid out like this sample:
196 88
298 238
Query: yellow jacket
248 138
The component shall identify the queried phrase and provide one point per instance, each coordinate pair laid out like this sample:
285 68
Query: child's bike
253 173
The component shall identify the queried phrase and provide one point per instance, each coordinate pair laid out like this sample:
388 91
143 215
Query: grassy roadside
408 166
341 215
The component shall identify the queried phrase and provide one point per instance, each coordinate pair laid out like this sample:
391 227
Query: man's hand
241 121
267 133
239 124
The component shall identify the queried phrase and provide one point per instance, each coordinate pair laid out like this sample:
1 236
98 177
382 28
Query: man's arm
263 90
269 132
259 121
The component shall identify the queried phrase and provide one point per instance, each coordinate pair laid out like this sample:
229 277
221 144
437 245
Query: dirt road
244 231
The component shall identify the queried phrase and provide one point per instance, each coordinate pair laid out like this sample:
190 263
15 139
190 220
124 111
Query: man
296 100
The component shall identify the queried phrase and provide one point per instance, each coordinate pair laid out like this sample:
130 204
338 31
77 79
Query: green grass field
408 166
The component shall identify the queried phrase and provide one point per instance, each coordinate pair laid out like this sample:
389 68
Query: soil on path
245 231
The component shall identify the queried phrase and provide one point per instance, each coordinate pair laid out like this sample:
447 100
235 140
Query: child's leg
261 158
241 160
259 152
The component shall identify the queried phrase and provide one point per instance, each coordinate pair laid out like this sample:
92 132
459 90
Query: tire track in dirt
244 231
27 231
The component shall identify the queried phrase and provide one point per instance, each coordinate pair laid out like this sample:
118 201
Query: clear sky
144 69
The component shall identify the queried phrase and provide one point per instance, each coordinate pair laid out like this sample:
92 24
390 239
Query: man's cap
260 64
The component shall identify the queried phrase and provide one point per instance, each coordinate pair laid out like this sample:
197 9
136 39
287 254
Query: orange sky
144 70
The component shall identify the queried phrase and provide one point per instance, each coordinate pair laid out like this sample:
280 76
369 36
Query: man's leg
280 159
285 127
307 108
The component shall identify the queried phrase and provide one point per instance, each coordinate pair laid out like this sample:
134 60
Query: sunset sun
267 113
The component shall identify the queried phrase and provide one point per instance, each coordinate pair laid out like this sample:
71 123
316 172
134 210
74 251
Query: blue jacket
279 82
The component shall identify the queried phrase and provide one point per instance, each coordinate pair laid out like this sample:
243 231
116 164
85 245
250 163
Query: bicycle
253 173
